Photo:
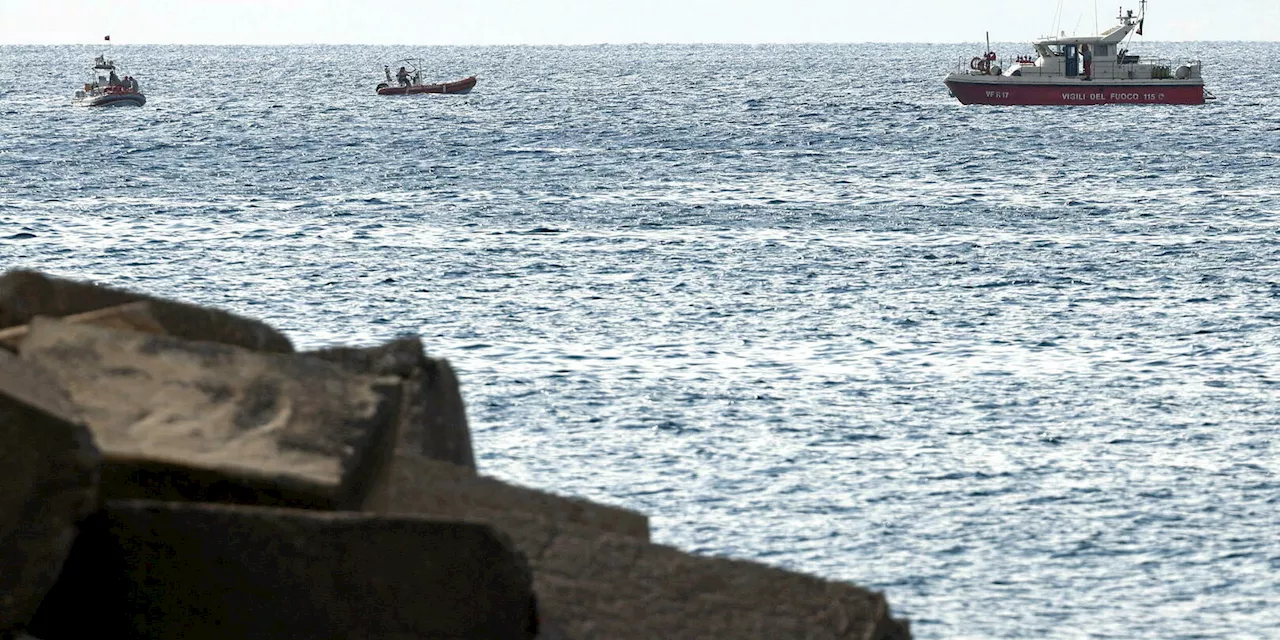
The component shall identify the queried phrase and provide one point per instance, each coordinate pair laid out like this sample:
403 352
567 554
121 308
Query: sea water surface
1017 367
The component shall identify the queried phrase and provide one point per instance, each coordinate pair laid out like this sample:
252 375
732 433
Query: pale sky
429 22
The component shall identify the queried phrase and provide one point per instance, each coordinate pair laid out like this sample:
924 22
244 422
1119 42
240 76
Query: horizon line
577 44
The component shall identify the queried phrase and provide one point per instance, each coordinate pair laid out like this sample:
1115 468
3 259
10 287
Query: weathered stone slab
48 482
135 316
201 421
429 487
196 571
620 588
26 294
433 416
597 576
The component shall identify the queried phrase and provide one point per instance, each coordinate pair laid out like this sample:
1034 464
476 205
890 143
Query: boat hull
113 100
458 86
1001 90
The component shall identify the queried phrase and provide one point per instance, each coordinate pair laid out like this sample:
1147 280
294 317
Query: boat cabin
106 79
1101 57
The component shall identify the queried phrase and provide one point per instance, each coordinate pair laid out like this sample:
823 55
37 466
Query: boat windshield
410 67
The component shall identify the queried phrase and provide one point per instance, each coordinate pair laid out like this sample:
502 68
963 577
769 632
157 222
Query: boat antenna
1057 19
988 42
1096 28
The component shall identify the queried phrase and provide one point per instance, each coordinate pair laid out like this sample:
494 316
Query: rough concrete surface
432 415
238 420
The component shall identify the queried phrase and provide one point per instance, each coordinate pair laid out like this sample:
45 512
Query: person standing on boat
1087 53
403 77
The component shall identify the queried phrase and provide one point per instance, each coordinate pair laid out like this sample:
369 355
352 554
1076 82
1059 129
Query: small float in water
107 88
408 81
1071 70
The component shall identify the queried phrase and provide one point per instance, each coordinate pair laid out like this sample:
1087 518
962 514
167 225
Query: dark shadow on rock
164 570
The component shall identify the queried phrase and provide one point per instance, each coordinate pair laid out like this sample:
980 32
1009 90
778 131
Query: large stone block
428 487
48 483
597 576
27 294
201 421
432 415
617 588
172 570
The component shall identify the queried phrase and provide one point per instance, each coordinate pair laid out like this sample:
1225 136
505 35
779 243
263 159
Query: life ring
975 63
981 64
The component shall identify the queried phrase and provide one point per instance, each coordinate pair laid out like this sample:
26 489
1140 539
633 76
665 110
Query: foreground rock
433 419
27 294
429 487
597 576
156 570
48 482
619 588
195 421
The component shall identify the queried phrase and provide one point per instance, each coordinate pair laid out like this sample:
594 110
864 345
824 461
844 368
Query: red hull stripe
460 86
1083 93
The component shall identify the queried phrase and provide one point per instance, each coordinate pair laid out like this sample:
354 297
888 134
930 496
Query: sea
1018 368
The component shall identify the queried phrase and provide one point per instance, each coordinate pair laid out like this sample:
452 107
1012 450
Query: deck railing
1128 67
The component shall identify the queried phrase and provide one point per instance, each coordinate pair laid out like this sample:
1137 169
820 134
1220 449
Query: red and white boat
1080 71
107 88
408 81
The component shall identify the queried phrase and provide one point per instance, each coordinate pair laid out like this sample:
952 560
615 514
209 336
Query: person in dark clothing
1087 53
403 77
